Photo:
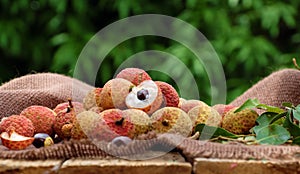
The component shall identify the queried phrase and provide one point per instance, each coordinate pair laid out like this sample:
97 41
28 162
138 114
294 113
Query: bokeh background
251 38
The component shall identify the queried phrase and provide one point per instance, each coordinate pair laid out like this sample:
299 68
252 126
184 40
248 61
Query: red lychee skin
20 124
190 104
42 118
107 127
114 93
170 94
223 108
16 145
78 107
134 75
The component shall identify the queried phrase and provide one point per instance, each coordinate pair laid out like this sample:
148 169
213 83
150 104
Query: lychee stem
70 107
120 122
165 122
295 63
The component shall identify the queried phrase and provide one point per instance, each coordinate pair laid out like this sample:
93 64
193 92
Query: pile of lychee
129 105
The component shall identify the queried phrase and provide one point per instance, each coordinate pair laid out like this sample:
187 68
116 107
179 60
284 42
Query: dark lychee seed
143 94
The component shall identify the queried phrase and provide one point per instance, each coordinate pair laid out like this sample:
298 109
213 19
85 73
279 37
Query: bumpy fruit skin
149 103
223 109
65 116
78 107
239 122
134 75
21 124
206 115
187 105
111 124
89 100
140 120
83 124
114 93
15 141
171 120
42 118
171 97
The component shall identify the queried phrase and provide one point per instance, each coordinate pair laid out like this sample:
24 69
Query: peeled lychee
65 116
206 115
140 120
110 124
15 141
187 105
240 122
89 100
171 120
20 124
134 75
171 97
114 93
146 97
42 118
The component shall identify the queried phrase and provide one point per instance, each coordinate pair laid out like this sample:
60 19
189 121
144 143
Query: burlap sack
47 89
50 89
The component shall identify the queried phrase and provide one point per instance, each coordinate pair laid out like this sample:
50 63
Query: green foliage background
252 38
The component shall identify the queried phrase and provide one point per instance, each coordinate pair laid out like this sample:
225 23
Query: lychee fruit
206 115
171 120
65 116
15 141
114 93
187 105
140 120
20 124
111 123
96 109
223 108
146 97
83 124
42 140
89 100
78 107
171 97
239 122
134 75
42 118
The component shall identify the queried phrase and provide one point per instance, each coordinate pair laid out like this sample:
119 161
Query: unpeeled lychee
140 120
239 122
65 116
42 118
147 97
111 124
15 141
171 97
78 107
134 75
187 105
83 124
90 100
114 93
206 115
171 120
20 124
223 108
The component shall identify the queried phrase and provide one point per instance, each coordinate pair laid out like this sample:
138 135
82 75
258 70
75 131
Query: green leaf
290 126
272 134
208 132
296 141
269 108
287 104
249 104
296 112
265 119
